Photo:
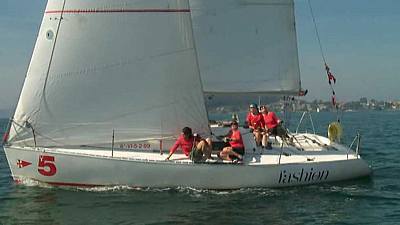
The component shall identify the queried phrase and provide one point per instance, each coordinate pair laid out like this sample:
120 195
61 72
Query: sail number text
46 165
135 146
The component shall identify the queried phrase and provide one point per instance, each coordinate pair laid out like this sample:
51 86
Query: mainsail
98 66
246 46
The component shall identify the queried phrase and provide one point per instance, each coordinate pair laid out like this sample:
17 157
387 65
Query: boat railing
25 126
357 139
6 132
112 143
302 119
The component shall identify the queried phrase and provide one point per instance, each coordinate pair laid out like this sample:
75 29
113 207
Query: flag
22 163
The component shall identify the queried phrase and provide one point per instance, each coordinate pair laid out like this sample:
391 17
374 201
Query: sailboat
111 84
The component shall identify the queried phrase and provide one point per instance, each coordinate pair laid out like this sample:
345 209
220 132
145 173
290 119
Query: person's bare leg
201 146
227 151
265 139
257 137
237 155
209 142
224 154
207 149
269 144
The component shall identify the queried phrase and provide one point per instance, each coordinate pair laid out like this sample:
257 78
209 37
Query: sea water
374 200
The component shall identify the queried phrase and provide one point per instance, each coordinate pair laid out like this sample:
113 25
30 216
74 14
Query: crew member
271 125
235 151
187 140
256 123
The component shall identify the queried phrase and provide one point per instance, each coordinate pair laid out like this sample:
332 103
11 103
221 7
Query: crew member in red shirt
256 123
235 151
271 125
186 141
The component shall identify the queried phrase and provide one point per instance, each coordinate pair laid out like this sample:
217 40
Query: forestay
246 46
99 66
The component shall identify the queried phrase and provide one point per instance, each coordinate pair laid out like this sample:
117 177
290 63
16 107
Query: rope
316 32
330 76
38 134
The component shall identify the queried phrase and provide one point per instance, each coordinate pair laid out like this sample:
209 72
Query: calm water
374 200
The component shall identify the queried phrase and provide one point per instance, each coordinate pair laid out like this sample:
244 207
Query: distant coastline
363 104
277 105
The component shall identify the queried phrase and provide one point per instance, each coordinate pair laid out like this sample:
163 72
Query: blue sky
360 39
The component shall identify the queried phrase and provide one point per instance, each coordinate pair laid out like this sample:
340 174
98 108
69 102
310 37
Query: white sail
99 66
246 46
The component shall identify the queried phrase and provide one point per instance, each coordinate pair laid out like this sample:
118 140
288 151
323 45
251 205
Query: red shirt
255 121
238 143
271 120
186 145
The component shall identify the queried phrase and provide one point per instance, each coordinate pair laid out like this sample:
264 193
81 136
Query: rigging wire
317 32
331 77
287 110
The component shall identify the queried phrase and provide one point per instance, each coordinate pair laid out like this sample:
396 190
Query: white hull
77 168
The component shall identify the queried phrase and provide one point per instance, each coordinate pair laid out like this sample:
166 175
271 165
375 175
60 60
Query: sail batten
246 46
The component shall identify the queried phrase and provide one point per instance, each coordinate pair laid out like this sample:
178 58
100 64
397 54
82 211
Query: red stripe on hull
81 11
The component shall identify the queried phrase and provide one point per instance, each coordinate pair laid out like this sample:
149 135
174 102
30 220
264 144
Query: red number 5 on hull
46 165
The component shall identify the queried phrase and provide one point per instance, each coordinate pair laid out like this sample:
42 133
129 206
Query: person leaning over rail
256 123
235 151
193 146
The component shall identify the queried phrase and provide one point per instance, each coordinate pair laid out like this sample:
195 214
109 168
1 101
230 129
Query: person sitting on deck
202 150
235 151
187 140
256 123
271 125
